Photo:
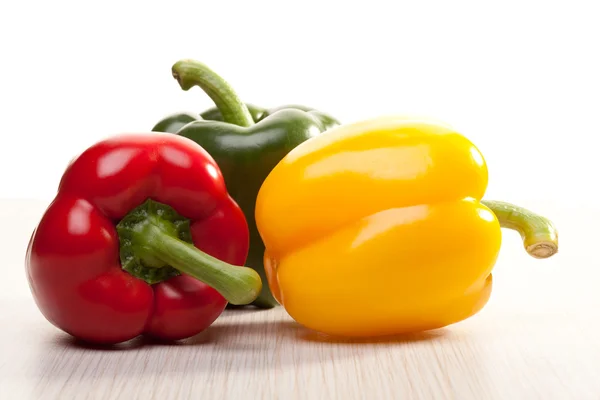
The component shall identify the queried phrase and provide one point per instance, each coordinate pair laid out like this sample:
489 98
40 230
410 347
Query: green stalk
239 285
540 237
190 73
156 245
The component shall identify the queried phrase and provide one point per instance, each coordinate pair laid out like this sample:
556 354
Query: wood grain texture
536 339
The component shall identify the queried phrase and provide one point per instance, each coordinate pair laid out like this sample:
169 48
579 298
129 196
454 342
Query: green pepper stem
189 73
540 237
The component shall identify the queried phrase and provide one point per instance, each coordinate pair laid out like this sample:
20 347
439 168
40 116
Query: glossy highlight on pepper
378 228
141 238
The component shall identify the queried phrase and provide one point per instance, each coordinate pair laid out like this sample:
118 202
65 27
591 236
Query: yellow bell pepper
378 228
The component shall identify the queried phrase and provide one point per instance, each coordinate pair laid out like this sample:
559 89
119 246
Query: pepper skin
141 238
258 114
378 228
244 150
175 122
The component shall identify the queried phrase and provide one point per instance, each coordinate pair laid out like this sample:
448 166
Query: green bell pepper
258 113
175 122
245 141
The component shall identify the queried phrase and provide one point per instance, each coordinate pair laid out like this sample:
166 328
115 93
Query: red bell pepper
141 238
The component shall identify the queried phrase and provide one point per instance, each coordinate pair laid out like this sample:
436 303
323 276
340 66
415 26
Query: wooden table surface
536 339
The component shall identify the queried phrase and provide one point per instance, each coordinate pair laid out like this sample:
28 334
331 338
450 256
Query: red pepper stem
238 284
540 237
189 73
156 244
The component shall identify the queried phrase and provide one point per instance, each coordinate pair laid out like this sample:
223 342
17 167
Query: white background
519 78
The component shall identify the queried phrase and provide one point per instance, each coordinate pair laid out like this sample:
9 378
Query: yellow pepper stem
540 237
